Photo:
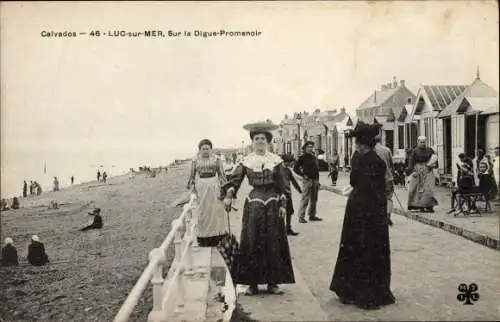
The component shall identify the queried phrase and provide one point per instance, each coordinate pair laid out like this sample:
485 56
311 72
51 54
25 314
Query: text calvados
61 34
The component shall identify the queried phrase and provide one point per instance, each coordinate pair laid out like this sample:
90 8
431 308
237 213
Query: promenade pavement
428 264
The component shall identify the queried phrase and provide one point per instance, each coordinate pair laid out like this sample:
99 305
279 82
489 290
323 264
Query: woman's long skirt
421 188
363 269
264 252
212 219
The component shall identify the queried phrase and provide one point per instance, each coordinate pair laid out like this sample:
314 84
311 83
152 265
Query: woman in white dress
205 180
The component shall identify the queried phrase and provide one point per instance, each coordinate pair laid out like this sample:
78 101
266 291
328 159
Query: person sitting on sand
4 205
97 222
9 254
36 252
15 203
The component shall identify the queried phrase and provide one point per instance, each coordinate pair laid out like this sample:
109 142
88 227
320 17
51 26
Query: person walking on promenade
205 180
307 167
25 189
98 175
363 269
72 179
105 176
9 253
385 154
422 182
32 188
36 252
264 256
334 168
289 179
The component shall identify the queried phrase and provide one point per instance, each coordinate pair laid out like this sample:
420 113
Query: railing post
188 238
178 248
181 293
157 282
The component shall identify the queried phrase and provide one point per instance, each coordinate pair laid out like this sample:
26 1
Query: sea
42 166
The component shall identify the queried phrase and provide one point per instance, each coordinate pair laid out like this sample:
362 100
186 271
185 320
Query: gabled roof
478 89
441 96
315 130
483 105
379 97
331 125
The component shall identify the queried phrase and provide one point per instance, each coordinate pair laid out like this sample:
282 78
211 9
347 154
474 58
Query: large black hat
364 130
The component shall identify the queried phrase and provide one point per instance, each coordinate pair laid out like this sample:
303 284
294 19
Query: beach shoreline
90 273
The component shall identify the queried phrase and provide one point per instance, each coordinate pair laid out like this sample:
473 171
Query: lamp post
242 146
299 119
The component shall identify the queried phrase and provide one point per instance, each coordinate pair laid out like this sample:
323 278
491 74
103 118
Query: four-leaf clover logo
467 294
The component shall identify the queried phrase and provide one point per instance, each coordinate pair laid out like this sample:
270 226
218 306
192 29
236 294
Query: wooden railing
167 293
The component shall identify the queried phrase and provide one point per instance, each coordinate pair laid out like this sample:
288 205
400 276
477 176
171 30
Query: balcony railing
167 293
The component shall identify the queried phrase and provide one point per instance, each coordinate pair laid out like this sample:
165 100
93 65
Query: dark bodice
268 174
368 173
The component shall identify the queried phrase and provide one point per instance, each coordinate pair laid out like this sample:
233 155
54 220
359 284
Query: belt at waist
206 175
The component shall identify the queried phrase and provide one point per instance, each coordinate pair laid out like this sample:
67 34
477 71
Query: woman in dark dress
264 256
363 269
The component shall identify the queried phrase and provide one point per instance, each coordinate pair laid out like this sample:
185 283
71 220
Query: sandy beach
90 273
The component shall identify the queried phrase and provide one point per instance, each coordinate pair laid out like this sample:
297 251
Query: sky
161 96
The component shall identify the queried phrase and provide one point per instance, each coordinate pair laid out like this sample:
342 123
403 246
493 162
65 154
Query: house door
474 136
447 145
389 139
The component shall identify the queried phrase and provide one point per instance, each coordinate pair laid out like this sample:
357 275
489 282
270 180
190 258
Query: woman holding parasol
264 255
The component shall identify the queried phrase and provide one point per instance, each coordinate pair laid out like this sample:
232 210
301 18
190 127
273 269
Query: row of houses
456 119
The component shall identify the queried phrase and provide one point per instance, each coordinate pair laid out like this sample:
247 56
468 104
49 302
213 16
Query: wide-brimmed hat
261 127
8 240
35 238
364 130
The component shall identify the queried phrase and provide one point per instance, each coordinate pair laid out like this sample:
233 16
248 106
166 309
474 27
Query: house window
401 136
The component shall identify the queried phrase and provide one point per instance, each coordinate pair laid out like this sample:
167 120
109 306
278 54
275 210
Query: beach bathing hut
468 123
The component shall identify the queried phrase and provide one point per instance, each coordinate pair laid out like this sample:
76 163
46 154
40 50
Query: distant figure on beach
105 176
56 184
97 222
15 203
32 188
4 205
98 176
25 189
9 254
37 188
72 179
36 252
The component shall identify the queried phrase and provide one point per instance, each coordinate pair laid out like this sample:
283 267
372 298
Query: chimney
402 83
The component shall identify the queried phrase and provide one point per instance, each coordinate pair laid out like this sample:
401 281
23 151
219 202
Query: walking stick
399 202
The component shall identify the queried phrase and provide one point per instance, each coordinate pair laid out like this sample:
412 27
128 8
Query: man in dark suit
307 168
